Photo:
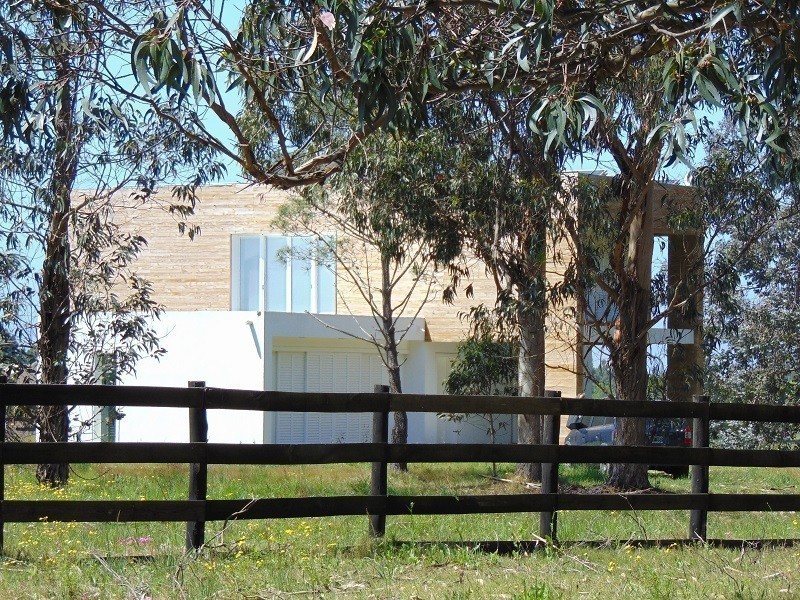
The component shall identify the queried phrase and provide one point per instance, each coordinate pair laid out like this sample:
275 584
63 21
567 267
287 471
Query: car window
572 419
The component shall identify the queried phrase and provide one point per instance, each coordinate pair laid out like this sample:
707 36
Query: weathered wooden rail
198 453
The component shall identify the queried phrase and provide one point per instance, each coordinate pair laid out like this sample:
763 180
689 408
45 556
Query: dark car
599 431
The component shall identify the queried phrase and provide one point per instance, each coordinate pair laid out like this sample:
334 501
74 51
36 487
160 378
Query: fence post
378 485
3 379
198 472
698 518
548 520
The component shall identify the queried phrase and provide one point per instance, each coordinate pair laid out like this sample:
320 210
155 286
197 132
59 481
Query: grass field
333 557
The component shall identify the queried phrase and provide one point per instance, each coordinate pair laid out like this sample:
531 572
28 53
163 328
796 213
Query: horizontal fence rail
334 506
199 453
215 398
320 454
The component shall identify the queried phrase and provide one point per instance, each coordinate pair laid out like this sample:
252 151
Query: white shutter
290 426
313 372
316 428
319 371
291 368
339 364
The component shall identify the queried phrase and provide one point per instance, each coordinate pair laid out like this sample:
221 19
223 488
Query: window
282 274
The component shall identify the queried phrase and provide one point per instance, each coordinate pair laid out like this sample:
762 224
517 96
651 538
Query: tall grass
333 557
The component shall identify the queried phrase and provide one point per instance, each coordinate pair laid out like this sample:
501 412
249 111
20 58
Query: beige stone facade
196 274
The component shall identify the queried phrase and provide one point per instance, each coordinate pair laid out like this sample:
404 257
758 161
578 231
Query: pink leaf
328 19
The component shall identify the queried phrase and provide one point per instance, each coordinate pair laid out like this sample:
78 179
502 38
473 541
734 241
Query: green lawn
333 557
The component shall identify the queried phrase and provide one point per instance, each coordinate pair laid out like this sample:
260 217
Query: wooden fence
198 453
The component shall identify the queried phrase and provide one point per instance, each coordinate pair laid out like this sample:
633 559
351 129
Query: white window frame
236 241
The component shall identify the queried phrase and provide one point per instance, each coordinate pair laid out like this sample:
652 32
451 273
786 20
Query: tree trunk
54 293
400 429
629 357
531 384
531 312
54 332
631 385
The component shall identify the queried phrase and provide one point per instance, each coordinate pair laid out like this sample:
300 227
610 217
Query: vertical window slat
326 277
277 258
249 285
301 274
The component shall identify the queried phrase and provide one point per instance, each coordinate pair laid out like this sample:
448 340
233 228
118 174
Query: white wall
421 377
219 347
236 350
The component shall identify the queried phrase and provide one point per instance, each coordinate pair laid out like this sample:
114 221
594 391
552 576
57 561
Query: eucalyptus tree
68 123
617 228
486 364
373 64
613 238
507 201
626 242
756 355
380 222
752 319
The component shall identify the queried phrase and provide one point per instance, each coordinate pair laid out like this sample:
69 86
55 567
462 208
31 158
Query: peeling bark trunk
54 294
629 358
531 310
631 385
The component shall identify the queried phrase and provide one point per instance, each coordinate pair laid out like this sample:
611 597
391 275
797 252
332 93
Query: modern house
242 312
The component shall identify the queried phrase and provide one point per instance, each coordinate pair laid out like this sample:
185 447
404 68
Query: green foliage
15 295
372 65
395 188
486 362
390 196
752 309
506 199
483 367
563 117
70 122
157 51
80 129
757 353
